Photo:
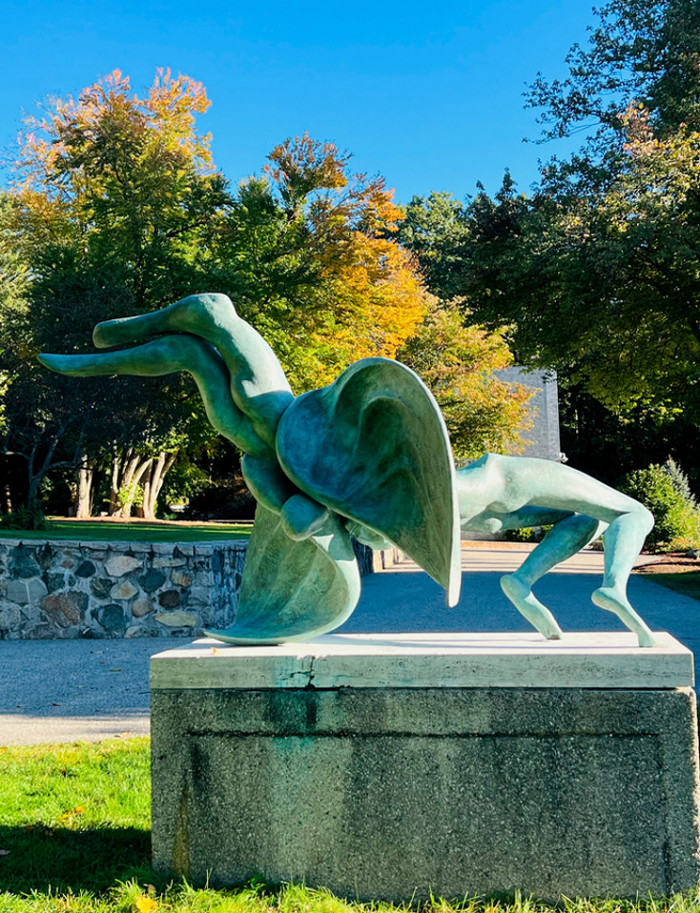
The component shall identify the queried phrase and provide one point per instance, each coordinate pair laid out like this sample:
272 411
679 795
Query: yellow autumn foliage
369 297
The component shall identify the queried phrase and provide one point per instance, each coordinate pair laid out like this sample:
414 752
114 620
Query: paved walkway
65 690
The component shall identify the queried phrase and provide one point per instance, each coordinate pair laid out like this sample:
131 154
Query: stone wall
56 589
51 589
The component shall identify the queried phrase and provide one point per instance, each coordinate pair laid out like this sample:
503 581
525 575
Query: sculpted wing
291 589
373 447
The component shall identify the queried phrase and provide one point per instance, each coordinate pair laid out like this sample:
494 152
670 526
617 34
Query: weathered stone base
396 792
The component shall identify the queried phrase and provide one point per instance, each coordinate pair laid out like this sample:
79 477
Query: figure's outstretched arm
165 356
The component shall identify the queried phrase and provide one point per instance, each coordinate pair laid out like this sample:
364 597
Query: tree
435 230
118 210
115 200
458 363
129 179
596 272
310 259
14 273
643 52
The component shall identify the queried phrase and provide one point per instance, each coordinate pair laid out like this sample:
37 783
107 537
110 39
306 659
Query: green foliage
128 495
526 534
602 286
665 491
608 445
185 480
482 413
25 518
680 482
435 231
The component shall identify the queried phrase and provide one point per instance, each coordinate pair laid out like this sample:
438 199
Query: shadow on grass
686 583
60 859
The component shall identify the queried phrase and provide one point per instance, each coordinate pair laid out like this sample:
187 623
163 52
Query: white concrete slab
430 660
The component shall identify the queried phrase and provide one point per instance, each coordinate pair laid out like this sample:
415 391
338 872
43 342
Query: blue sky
427 94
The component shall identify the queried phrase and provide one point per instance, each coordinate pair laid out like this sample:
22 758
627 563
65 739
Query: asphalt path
70 690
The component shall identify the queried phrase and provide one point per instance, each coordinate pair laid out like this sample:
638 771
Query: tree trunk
84 493
127 472
154 482
114 484
5 490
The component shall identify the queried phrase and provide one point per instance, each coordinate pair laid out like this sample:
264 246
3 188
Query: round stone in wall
123 590
111 617
141 607
169 599
118 565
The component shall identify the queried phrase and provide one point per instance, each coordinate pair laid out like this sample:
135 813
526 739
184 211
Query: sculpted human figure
499 493
368 455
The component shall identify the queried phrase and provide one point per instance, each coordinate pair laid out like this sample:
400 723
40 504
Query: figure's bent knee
207 303
189 314
646 519
642 518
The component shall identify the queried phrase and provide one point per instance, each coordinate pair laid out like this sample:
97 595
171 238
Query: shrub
25 518
665 491
526 534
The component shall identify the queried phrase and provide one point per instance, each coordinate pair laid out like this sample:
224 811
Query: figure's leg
257 382
623 541
165 356
629 522
567 536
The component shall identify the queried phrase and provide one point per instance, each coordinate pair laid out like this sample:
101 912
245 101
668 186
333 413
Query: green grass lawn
132 531
687 583
74 838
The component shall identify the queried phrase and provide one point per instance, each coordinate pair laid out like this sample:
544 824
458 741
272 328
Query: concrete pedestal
392 766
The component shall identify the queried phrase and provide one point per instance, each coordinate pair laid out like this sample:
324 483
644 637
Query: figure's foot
302 517
530 607
615 601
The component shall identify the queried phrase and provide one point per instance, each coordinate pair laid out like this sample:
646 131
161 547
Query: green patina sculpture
369 455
